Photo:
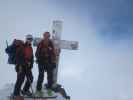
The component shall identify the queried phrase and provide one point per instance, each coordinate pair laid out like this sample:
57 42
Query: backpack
12 49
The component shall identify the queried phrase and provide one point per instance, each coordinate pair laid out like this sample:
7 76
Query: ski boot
39 93
26 93
50 93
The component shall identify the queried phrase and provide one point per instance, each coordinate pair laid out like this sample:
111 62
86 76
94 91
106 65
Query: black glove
30 66
53 65
18 68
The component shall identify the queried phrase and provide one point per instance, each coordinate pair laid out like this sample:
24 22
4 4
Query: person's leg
40 77
50 76
19 82
50 80
29 81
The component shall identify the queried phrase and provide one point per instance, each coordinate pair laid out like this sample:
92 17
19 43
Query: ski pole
7 43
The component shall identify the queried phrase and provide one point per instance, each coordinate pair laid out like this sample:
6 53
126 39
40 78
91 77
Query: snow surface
8 89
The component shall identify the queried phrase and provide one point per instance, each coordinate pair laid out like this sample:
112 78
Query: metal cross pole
58 43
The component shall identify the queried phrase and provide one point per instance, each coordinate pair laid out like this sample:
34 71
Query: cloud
72 72
112 18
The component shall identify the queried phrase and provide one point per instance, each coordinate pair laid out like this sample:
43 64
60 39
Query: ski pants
45 68
21 74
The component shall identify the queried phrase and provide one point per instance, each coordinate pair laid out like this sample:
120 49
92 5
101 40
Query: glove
18 68
30 65
53 65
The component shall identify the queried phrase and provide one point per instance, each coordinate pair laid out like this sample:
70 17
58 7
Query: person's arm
37 53
37 50
54 54
56 51
52 48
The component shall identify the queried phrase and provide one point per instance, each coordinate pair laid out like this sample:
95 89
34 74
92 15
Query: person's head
29 39
46 35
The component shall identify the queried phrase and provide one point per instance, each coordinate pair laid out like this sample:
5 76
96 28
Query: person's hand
54 65
30 65
57 52
18 68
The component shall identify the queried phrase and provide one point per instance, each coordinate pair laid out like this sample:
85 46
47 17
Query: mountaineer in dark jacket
24 64
19 66
46 60
29 60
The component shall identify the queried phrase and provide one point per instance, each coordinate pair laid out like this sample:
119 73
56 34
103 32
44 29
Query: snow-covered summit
8 88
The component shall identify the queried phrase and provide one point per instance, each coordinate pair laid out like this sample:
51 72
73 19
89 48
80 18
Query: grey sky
102 67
